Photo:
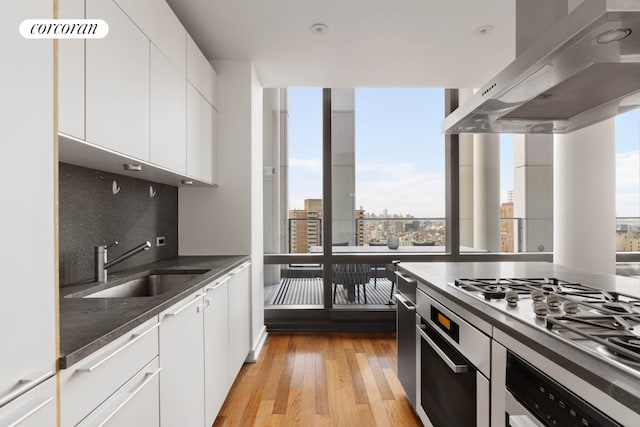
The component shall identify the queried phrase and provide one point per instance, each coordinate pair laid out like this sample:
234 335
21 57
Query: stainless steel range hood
571 77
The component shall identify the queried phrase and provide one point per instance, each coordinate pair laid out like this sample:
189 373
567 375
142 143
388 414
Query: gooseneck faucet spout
101 258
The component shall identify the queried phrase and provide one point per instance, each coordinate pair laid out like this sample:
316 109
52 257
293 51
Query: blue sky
400 152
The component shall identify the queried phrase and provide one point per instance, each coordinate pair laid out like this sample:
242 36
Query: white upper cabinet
144 92
200 136
168 118
71 74
117 84
28 304
200 73
156 19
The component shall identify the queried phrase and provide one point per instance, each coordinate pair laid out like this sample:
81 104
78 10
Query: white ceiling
370 43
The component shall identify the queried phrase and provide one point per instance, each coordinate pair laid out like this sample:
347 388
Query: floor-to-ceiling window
628 190
387 193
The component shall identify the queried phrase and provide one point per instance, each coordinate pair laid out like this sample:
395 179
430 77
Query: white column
271 181
585 198
284 170
343 165
465 141
533 195
486 192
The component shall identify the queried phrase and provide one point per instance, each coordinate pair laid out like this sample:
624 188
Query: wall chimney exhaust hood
585 69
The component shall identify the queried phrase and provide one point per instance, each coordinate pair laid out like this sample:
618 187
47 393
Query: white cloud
398 188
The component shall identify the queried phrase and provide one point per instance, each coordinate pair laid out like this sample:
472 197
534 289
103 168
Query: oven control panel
549 401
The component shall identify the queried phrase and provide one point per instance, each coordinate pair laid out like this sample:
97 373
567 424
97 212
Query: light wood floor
320 379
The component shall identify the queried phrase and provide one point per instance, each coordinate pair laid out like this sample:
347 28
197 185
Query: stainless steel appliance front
453 367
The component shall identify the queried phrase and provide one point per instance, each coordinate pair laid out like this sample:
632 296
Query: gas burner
631 343
495 291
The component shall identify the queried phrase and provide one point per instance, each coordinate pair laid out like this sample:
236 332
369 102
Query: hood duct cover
565 80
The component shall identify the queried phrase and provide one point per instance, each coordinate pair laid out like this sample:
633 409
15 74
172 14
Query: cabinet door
182 363
27 306
156 19
71 74
200 136
216 355
168 118
200 72
117 84
239 318
36 408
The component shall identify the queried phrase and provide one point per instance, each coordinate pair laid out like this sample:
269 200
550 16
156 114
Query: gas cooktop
605 323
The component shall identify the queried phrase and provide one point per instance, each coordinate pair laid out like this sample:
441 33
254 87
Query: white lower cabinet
182 362
88 384
216 355
35 408
239 318
135 404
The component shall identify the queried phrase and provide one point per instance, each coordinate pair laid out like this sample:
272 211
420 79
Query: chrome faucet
101 258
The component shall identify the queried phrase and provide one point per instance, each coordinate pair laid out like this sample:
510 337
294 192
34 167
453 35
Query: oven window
448 398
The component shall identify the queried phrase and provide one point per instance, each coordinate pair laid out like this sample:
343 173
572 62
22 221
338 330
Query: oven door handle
522 421
457 369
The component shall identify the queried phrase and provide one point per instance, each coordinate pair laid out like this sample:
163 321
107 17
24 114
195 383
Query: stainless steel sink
148 286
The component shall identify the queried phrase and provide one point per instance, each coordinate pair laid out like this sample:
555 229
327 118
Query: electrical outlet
160 241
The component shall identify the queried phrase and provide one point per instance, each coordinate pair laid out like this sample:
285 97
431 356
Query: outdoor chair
351 276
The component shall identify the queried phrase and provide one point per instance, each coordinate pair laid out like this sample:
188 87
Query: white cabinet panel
168 133
200 72
27 307
36 408
200 136
71 74
239 318
182 363
117 84
216 354
136 403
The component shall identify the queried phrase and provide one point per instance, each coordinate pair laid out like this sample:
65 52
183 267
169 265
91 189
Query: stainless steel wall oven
453 367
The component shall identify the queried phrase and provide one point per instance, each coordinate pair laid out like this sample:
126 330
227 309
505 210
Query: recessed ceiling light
613 35
319 28
484 30
132 167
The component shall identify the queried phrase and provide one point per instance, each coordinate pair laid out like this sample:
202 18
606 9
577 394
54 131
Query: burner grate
609 340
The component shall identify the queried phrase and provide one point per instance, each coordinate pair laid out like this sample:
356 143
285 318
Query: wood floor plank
320 379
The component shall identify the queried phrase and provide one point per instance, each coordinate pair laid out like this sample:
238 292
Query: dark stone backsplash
91 214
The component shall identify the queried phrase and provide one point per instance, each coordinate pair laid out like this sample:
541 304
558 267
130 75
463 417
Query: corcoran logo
64 28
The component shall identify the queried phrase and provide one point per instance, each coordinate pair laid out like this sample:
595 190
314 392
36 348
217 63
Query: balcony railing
303 234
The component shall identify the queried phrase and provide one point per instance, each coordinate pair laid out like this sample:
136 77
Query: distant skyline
400 152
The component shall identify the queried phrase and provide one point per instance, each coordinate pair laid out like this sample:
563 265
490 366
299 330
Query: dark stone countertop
88 324
435 278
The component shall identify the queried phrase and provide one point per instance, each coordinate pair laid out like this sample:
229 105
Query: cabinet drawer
35 408
88 383
137 403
